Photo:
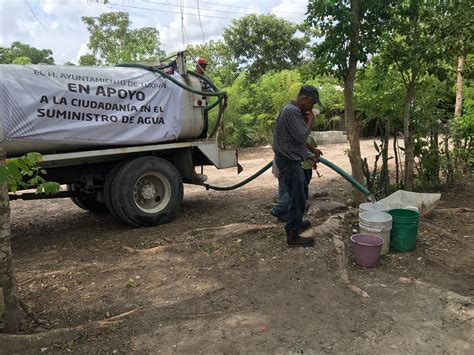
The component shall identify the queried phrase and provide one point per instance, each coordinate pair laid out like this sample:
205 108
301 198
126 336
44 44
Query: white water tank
54 109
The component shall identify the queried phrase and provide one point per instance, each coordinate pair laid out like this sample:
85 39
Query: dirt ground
219 279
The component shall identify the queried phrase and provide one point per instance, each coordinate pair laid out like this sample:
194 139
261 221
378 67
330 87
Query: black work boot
293 239
305 224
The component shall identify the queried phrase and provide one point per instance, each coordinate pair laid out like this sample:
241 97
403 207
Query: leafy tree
19 172
377 99
431 110
415 44
112 40
21 50
350 32
88 60
261 43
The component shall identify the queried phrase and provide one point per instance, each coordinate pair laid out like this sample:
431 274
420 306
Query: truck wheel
90 205
147 191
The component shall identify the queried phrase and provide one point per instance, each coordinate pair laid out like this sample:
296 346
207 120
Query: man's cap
312 92
202 61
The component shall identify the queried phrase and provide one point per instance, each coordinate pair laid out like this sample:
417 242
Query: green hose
326 162
170 78
345 175
242 183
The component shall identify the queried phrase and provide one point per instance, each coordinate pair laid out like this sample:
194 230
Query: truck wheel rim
152 192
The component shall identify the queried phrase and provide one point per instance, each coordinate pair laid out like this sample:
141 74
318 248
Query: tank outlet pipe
345 175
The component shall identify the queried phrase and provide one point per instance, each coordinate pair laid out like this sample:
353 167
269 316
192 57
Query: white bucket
373 207
377 223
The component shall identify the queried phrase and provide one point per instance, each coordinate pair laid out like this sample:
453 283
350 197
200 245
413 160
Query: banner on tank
90 105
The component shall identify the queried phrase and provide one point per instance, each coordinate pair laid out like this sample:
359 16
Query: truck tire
108 188
146 191
90 205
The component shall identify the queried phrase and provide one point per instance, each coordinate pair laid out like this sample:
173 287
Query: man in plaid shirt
289 145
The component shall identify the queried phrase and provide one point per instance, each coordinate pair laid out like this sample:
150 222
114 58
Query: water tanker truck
123 139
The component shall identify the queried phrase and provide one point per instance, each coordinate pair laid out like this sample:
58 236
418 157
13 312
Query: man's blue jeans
281 207
292 180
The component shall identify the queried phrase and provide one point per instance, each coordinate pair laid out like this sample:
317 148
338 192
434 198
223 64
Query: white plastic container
377 223
373 207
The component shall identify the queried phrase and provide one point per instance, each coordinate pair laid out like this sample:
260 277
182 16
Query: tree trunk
408 139
457 113
395 154
435 178
352 123
459 86
449 158
384 176
7 275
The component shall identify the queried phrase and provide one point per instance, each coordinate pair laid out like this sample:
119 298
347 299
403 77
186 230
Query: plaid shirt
290 134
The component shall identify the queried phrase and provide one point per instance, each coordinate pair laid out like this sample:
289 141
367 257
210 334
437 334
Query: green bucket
404 229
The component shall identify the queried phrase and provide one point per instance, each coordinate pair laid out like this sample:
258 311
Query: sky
57 25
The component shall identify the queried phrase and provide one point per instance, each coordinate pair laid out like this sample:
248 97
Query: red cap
202 61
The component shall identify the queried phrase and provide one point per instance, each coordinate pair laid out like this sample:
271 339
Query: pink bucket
366 249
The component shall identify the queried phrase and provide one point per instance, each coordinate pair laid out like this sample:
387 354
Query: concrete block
329 137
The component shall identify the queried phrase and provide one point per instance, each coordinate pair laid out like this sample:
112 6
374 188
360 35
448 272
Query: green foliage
22 60
463 130
332 98
24 173
88 60
432 109
414 40
240 126
262 43
20 50
379 94
254 106
112 40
